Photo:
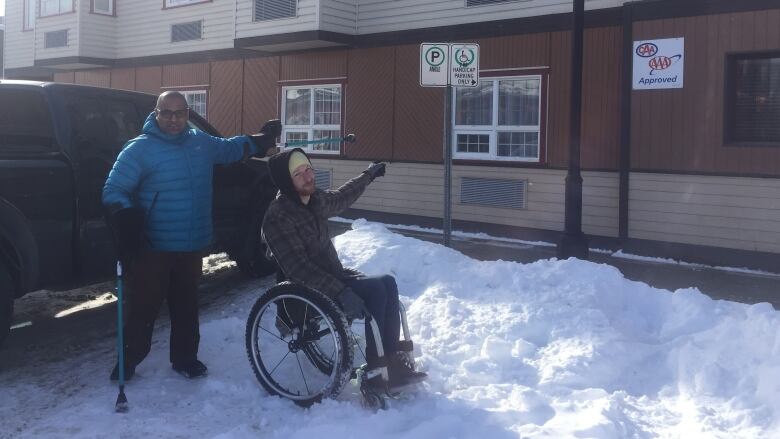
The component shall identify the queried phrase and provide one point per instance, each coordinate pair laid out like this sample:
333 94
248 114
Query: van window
25 122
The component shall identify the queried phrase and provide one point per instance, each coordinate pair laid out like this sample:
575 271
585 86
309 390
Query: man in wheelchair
295 229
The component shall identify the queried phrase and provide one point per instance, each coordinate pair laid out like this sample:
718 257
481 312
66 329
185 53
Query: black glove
266 138
351 304
127 228
374 170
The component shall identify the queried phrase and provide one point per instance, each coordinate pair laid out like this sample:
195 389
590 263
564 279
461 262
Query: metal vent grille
57 38
494 193
323 178
273 9
470 3
192 30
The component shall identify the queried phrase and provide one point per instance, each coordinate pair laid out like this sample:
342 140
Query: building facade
691 171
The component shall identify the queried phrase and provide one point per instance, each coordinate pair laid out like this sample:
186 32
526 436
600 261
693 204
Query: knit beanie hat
297 158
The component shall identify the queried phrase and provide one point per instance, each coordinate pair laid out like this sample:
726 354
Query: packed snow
561 349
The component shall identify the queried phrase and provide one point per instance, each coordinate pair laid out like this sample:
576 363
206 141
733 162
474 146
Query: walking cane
121 399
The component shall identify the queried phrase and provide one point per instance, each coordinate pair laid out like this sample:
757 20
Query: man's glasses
305 170
170 114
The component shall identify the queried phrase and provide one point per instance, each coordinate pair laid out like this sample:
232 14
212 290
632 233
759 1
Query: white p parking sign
434 64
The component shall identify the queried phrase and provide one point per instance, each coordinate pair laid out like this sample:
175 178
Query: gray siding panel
734 212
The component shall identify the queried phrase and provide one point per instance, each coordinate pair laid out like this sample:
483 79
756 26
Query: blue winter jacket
170 176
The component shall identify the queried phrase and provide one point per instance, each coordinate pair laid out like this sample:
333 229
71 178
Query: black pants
380 294
154 277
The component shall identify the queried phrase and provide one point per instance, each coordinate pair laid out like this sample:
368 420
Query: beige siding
306 20
393 15
733 212
418 189
144 28
68 21
339 16
19 45
98 33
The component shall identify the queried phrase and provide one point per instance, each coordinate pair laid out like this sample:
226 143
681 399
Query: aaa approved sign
443 64
464 65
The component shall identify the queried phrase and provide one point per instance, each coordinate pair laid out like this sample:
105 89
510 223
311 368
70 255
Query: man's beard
307 190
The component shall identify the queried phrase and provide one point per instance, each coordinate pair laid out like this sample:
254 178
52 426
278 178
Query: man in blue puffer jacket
159 192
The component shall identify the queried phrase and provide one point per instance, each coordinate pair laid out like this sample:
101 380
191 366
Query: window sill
43 17
185 5
499 163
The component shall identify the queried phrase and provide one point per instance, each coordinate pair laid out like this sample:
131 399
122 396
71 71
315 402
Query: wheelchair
302 347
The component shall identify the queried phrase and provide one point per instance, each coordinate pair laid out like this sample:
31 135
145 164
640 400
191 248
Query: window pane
197 102
103 6
66 6
26 123
474 106
327 106
29 13
273 9
518 102
296 136
518 144
296 106
324 134
50 7
479 143
757 100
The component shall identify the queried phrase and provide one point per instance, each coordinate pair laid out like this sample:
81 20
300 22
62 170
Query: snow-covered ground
549 349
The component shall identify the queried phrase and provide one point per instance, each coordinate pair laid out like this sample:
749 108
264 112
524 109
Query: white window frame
30 13
176 3
311 127
188 94
110 10
493 129
60 9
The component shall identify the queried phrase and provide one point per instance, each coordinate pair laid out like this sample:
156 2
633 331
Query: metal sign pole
447 226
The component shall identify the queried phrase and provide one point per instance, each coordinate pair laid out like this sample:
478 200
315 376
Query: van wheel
6 302
249 253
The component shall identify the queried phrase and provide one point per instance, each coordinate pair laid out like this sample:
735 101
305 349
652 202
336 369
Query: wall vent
509 194
323 178
192 30
273 9
57 38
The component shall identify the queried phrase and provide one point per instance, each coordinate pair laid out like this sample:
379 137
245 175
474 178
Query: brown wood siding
600 138
183 75
369 103
123 79
518 51
682 129
419 122
97 78
148 79
225 107
67 77
260 92
559 97
313 66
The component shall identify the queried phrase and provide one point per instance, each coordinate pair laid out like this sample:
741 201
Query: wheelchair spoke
302 374
279 319
277 364
274 335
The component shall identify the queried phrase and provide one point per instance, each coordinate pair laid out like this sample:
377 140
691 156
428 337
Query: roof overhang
74 63
294 41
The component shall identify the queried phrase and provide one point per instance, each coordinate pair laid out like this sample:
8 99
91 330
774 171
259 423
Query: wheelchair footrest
405 346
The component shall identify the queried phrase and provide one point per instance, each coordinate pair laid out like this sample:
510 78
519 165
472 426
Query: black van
57 145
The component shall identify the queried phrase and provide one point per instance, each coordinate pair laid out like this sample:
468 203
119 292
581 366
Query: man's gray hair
170 94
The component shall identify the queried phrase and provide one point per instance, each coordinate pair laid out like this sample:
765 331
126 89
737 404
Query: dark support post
573 242
447 220
625 120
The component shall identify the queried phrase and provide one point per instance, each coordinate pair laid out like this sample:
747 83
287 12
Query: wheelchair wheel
298 345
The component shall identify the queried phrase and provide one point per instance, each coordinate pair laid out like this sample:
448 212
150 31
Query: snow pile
548 349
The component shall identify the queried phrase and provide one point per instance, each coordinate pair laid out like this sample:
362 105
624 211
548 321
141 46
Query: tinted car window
25 123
